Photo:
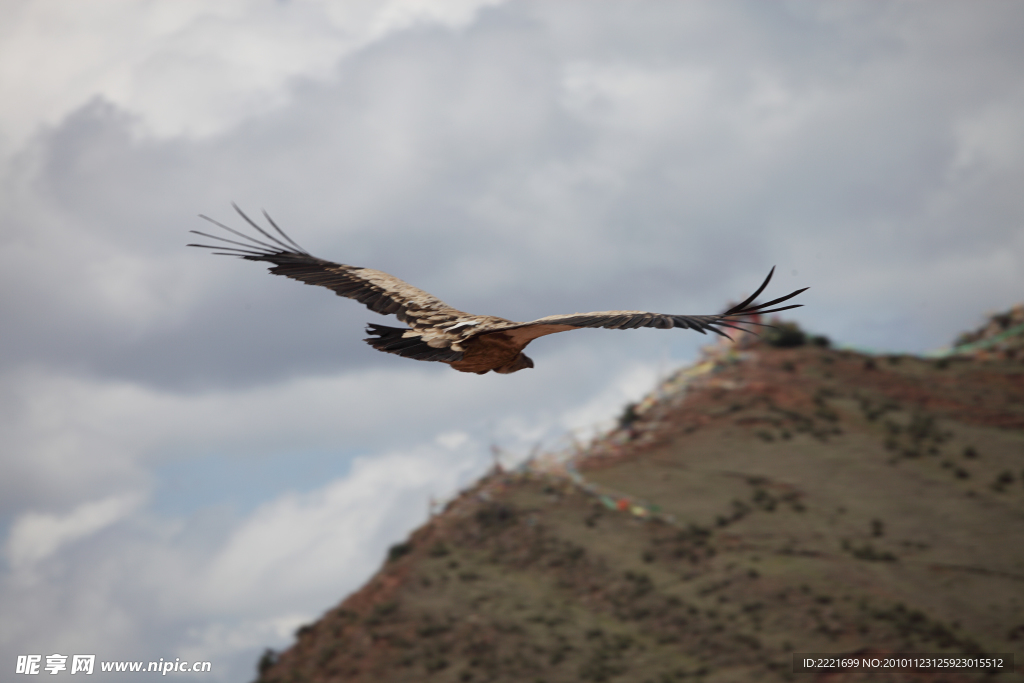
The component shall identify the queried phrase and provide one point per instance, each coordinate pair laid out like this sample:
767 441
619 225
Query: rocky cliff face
770 501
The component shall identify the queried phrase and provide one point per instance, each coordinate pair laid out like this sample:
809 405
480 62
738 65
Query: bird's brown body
438 332
496 351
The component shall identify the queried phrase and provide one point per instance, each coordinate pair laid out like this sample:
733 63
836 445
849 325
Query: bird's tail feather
393 340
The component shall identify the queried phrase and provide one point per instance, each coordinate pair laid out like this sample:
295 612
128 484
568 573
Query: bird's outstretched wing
625 320
379 291
438 332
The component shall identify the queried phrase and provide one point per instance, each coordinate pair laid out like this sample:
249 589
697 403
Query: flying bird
438 332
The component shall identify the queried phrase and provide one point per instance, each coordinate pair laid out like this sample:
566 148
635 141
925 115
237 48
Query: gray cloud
612 180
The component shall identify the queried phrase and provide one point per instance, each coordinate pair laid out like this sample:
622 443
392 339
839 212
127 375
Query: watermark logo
82 664
32 665
55 663
28 664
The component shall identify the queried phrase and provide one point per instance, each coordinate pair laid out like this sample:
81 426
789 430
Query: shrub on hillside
787 335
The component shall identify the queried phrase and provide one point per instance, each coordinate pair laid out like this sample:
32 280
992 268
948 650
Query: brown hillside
788 500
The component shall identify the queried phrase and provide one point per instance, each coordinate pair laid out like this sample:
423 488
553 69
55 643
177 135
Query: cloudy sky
198 457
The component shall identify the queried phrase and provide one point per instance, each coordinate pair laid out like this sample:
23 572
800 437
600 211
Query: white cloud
638 100
599 412
35 536
452 440
186 67
217 641
302 541
990 139
71 435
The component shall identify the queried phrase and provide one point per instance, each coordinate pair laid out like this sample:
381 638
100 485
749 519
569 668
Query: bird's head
520 362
